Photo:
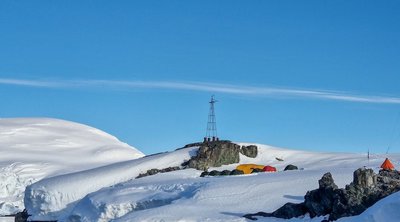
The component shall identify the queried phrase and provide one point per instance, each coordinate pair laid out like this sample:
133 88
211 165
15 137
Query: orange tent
269 169
387 165
248 168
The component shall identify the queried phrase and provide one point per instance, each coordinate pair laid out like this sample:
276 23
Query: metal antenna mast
211 133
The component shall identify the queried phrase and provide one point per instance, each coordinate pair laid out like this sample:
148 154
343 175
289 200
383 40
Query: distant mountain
35 148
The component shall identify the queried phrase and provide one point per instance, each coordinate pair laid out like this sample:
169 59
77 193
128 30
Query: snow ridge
111 193
35 148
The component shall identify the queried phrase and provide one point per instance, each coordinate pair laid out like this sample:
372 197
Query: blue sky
314 75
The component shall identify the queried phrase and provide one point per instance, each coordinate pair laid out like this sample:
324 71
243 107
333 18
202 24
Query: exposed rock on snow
156 171
249 151
22 216
112 194
320 202
386 209
291 167
287 211
218 153
221 173
236 172
366 189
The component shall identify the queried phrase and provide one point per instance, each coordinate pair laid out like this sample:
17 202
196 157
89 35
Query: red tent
387 165
269 169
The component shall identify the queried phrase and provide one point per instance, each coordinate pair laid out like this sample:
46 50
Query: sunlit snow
35 148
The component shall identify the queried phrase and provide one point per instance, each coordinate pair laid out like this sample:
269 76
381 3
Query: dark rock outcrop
236 172
225 173
205 173
156 171
320 201
218 153
291 167
214 154
22 216
287 211
257 170
221 173
249 151
366 189
214 173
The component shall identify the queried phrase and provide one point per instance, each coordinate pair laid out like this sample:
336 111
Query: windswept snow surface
49 198
35 148
111 193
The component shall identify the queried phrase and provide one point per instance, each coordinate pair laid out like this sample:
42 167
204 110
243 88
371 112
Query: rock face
249 151
22 216
218 153
366 189
320 201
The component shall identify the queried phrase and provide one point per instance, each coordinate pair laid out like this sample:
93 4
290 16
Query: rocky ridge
211 154
366 189
218 153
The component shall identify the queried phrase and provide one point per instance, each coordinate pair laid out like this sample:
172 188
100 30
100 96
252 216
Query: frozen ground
183 195
35 148
78 173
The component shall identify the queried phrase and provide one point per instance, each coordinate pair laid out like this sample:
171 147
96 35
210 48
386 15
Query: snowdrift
35 148
111 192
52 197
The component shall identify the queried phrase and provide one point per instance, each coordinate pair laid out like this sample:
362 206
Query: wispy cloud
276 92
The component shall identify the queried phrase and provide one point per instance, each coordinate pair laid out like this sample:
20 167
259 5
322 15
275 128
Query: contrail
276 92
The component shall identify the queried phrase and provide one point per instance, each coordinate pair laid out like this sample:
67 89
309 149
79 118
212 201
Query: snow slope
35 148
50 197
111 193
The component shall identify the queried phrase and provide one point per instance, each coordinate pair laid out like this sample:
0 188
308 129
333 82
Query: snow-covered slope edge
35 148
51 198
111 192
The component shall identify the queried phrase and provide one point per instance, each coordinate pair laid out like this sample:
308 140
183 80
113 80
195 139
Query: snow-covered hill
35 148
112 193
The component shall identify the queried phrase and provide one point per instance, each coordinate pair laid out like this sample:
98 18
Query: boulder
327 182
236 172
257 170
214 154
249 151
203 174
225 173
214 173
22 216
364 178
291 167
319 202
